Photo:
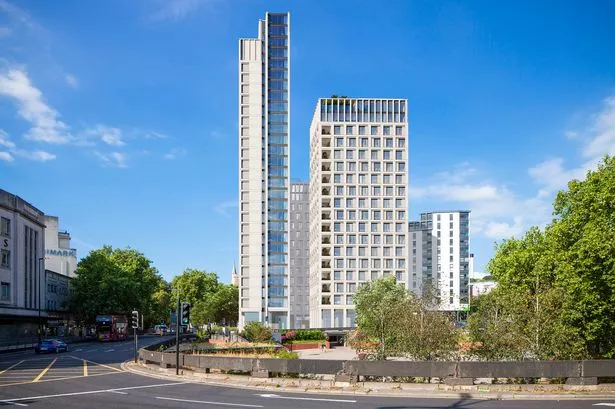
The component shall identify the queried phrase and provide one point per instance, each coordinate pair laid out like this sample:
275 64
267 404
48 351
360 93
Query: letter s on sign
6 242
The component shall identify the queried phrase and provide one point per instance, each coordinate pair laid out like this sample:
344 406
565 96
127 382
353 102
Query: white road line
119 392
110 350
10 367
272 396
603 404
242 405
60 395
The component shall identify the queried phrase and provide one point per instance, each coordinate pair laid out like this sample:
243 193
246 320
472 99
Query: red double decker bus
113 327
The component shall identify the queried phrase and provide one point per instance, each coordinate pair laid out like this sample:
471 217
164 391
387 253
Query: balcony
326 229
325 216
326 168
326 205
326 240
326 192
326 155
326 252
326 179
326 276
325 301
326 288
326 264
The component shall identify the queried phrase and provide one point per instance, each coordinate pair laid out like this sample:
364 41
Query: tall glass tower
264 153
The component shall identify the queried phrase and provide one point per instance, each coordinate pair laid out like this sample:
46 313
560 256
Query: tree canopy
115 281
555 296
397 323
211 300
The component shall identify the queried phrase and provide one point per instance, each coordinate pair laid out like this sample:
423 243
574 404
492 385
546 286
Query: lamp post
40 327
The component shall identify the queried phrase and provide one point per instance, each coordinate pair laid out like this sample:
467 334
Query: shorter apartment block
299 254
440 259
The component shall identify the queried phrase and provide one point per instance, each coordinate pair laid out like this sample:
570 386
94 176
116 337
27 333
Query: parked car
51 345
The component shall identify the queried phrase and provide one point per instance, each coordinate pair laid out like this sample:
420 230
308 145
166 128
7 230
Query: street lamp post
40 327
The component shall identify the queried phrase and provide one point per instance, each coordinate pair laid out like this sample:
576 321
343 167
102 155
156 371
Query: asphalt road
90 376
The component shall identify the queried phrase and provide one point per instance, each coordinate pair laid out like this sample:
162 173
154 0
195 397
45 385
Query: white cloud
39 156
113 159
603 132
5 140
18 15
176 10
45 125
599 141
72 80
224 207
6 157
175 153
5 32
109 135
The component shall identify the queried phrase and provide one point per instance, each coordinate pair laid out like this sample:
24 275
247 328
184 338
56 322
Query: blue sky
120 116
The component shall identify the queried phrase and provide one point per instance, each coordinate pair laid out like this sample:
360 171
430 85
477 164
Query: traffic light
135 319
185 313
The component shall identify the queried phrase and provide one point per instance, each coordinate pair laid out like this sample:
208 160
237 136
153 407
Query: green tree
400 323
211 300
194 285
555 291
115 281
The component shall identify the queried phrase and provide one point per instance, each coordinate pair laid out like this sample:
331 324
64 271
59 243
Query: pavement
98 376
343 353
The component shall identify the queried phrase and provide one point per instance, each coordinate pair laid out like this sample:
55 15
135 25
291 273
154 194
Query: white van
160 329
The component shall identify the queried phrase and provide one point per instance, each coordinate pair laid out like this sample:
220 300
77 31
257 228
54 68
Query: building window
5 291
362 130
5 227
5 259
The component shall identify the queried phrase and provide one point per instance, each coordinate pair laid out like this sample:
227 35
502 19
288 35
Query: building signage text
65 253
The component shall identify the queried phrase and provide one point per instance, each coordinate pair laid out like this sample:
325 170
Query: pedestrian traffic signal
135 319
185 313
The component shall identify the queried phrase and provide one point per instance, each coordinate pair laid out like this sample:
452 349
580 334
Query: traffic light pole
178 317
136 343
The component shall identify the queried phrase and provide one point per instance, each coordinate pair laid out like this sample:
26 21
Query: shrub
256 331
309 334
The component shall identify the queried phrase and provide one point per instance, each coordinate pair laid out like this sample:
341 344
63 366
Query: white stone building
59 256
358 202
264 153
440 259
22 252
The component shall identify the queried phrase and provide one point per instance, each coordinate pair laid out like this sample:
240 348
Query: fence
453 373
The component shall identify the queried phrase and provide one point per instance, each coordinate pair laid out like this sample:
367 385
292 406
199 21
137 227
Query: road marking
96 363
120 393
273 396
110 350
17 404
10 367
85 368
44 371
60 395
603 404
79 350
211 403
50 379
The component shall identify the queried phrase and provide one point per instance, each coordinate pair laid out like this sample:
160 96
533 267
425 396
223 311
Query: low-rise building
22 255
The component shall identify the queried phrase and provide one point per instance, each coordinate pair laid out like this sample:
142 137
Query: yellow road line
85 368
98 364
54 380
44 371
10 367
